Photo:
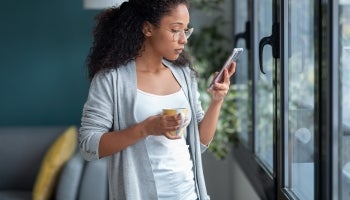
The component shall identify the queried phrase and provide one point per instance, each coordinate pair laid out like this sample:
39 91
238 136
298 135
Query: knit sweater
110 106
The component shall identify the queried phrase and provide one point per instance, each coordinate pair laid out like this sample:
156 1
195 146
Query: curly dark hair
118 36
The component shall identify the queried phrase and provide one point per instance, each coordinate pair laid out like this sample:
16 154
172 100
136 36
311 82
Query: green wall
43 48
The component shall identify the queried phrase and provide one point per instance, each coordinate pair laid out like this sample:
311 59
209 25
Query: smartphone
233 57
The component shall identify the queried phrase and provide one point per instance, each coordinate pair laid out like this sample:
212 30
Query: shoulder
104 76
114 73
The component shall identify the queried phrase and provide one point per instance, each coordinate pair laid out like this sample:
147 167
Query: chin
172 58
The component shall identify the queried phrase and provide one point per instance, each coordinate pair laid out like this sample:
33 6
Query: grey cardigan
110 106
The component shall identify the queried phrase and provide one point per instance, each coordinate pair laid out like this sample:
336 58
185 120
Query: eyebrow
177 23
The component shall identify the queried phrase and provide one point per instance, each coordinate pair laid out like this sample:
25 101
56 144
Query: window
264 90
299 144
344 82
242 79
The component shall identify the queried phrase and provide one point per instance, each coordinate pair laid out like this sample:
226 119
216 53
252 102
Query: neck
147 64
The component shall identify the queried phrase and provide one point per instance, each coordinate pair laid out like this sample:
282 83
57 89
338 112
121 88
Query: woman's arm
208 124
114 142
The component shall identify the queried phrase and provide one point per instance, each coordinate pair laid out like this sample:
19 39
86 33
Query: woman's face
169 39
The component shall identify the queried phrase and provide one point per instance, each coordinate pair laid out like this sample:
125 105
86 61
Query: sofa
24 154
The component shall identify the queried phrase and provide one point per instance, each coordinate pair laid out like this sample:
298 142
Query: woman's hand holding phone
219 91
232 58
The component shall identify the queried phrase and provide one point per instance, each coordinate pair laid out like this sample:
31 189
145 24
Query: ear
147 29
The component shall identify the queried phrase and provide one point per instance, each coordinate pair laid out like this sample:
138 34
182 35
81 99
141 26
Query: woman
137 67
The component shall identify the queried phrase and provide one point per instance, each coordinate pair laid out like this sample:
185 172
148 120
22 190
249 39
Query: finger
232 68
171 136
222 88
171 121
226 76
218 87
171 128
225 83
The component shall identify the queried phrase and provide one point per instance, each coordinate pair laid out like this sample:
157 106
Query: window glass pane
241 78
264 90
301 87
344 19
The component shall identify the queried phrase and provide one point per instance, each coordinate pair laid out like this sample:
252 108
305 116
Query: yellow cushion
54 159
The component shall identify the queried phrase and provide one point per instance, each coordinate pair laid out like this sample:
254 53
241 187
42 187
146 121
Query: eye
175 31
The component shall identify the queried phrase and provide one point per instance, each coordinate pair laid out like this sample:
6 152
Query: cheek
165 47
169 52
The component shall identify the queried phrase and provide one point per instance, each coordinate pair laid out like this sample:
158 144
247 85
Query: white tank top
170 159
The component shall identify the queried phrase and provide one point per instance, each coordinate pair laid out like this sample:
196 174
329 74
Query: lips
178 51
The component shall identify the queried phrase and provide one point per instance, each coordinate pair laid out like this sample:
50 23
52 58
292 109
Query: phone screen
233 57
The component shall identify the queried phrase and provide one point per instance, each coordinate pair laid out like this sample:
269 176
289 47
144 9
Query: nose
183 38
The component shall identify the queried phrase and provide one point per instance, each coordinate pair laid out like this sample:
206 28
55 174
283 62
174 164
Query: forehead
179 15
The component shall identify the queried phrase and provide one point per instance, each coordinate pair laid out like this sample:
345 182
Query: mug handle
178 131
